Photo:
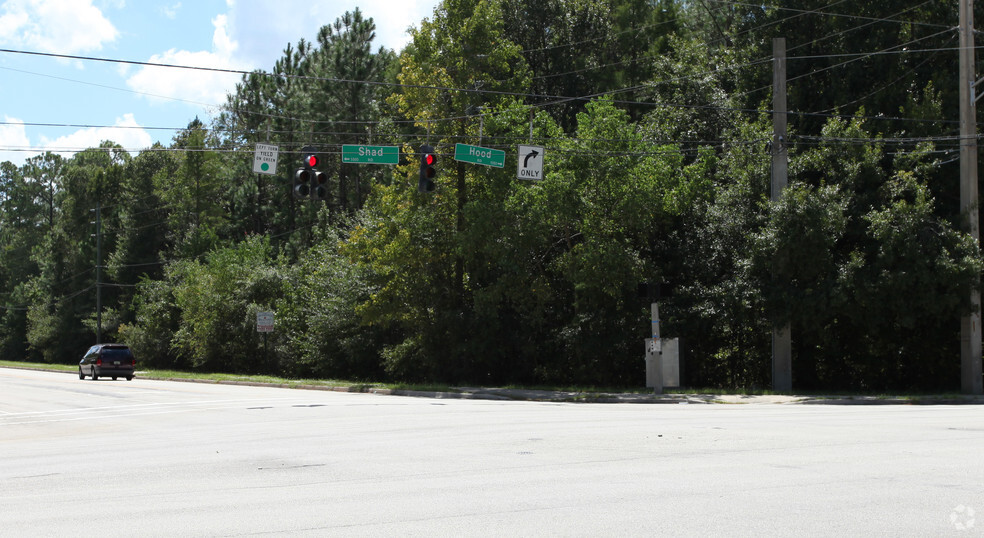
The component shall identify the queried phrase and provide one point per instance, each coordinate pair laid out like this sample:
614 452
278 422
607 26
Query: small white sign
265 159
530 165
264 322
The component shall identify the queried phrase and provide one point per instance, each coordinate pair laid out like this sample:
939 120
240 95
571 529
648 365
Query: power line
773 23
105 86
841 64
883 87
555 100
840 15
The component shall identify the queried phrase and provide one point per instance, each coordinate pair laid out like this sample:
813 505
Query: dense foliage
655 116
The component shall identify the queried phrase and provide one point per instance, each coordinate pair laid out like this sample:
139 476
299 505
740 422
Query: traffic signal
428 159
309 182
302 184
319 179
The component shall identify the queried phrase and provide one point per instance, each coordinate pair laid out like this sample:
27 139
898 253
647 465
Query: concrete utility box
671 362
663 363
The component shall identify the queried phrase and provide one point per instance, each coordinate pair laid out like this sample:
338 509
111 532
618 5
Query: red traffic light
311 161
428 158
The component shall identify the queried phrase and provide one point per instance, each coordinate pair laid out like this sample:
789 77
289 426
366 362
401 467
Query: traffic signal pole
971 381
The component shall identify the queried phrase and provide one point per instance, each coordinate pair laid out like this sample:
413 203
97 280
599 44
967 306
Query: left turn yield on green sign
265 159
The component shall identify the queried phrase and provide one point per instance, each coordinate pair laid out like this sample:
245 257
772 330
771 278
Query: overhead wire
885 86
814 42
556 99
868 55
840 15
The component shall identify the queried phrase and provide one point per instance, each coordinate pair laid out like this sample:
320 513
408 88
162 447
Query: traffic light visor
311 161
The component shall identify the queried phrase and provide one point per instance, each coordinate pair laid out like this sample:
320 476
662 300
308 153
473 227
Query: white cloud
253 35
171 12
202 87
263 29
62 26
13 141
393 21
125 132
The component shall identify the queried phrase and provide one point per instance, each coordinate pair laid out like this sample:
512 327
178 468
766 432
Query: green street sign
370 154
479 155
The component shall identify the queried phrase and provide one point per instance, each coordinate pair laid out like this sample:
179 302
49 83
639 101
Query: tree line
655 116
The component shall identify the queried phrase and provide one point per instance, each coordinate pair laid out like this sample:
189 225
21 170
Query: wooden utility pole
98 270
970 324
782 347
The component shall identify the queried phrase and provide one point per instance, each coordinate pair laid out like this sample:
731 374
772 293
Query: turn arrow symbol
530 155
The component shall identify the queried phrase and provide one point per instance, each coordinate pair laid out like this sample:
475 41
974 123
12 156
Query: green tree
138 225
22 226
195 193
320 330
349 95
872 279
62 315
616 196
907 286
217 302
711 302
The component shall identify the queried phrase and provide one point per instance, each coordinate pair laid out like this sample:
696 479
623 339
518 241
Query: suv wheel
81 375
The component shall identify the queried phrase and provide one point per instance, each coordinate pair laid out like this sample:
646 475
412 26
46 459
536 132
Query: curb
528 395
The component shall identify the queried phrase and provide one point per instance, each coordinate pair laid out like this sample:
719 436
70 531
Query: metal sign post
654 356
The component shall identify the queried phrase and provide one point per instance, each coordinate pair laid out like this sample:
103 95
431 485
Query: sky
65 105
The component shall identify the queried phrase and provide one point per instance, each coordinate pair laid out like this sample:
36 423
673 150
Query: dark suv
108 360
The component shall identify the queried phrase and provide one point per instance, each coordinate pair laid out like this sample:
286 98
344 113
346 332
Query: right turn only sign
530 165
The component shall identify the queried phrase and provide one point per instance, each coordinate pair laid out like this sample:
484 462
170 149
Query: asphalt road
155 458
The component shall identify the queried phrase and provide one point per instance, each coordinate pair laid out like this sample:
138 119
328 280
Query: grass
273 380
587 393
281 381
333 383
39 366
176 374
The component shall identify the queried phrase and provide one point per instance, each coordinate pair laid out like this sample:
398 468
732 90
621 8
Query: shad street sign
370 154
479 155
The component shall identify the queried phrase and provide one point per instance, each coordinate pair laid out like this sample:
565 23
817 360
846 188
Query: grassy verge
175 374
39 366
583 393
267 379
281 381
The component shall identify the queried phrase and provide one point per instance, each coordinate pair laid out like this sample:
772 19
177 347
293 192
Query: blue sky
82 103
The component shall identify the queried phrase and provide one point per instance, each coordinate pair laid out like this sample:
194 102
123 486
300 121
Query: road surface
155 458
